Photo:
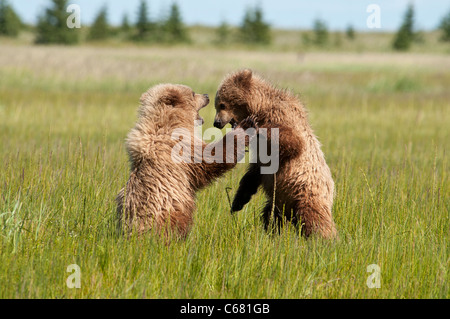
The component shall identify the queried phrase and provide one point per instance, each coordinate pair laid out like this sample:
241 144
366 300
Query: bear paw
236 206
248 122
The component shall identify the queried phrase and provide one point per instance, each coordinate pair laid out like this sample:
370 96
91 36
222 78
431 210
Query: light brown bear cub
303 183
160 192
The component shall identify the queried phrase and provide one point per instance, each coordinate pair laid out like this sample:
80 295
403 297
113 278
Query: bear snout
205 100
218 124
200 121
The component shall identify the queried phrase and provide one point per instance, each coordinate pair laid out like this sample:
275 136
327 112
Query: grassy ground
383 120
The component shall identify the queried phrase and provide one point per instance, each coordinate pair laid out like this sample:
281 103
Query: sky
283 14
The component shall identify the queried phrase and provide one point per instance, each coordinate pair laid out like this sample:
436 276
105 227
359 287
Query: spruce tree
174 30
261 29
246 32
125 27
144 27
320 33
350 33
52 25
405 35
10 23
100 28
444 26
253 29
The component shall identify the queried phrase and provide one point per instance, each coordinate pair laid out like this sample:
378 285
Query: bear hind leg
272 217
315 219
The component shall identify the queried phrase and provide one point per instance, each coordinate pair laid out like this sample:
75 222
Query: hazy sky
297 14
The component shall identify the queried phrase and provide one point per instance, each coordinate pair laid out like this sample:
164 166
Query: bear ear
144 98
244 78
171 97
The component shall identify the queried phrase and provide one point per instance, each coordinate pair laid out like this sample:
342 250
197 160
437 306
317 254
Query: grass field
383 120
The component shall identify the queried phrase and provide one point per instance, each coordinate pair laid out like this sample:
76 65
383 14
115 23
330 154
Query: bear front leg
290 145
248 186
212 167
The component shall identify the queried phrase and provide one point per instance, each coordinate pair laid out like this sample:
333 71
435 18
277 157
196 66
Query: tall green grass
64 114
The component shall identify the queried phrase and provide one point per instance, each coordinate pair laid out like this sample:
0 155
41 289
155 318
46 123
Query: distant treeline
52 27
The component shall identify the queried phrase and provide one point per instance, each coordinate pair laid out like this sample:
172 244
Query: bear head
231 101
173 97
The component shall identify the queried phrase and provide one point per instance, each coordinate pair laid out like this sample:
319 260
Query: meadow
383 119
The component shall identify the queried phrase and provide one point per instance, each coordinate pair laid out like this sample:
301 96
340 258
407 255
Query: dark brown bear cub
301 191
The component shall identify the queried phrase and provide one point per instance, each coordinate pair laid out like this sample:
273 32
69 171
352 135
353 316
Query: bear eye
222 106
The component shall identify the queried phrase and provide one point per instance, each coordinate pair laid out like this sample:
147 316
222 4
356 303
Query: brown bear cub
301 190
168 162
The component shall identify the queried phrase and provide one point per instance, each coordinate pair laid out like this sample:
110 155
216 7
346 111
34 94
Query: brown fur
160 193
303 184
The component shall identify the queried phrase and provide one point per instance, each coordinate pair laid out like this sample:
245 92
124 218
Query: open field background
383 119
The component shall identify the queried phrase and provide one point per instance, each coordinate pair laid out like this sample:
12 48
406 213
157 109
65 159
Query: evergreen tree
144 26
261 29
444 26
350 33
10 23
125 27
320 33
253 29
52 25
246 32
100 28
405 35
173 28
